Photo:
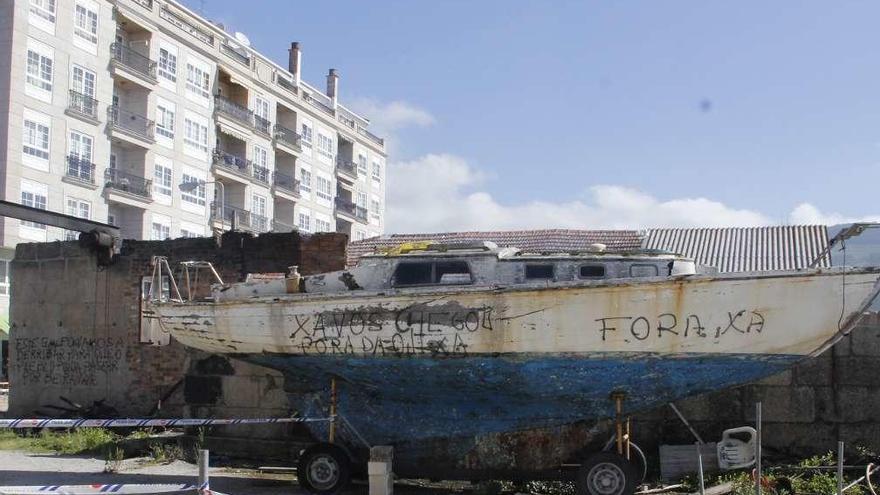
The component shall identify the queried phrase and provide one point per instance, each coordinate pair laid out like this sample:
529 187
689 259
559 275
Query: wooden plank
677 461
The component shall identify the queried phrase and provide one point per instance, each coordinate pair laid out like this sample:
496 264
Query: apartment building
108 106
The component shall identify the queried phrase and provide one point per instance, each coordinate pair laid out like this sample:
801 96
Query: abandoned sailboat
456 354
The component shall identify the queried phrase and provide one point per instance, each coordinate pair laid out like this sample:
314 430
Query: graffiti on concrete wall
66 361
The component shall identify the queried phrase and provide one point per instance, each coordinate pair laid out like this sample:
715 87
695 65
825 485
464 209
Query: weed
67 442
165 454
115 455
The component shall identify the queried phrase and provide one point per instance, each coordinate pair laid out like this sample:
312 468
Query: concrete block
48 250
241 391
866 341
715 406
799 438
857 371
863 434
781 404
380 468
777 380
817 371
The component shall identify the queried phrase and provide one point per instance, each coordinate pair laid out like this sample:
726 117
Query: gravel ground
21 468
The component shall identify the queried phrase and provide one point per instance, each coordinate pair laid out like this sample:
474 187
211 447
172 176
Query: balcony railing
351 209
311 100
186 25
238 218
288 137
345 119
286 183
133 60
231 162
261 174
369 135
147 4
239 113
234 54
347 167
83 105
259 223
131 123
262 125
126 182
80 169
279 226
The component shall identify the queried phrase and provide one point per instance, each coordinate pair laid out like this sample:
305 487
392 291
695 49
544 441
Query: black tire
606 473
323 469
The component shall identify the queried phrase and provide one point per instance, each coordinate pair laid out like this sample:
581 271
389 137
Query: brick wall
75 328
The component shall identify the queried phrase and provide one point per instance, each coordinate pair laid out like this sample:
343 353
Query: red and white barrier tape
146 423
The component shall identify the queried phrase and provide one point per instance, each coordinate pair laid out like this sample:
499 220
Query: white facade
112 104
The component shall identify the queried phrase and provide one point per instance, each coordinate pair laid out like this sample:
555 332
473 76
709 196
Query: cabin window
539 272
428 273
642 270
592 271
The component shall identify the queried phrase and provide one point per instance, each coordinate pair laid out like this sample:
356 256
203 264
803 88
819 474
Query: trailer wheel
606 473
323 469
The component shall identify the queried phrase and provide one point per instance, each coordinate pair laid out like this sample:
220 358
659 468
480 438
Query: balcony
80 171
234 53
369 135
350 210
82 106
136 67
238 168
263 126
261 174
278 226
311 100
238 113
347 168
288 138
287 84
186 26
131 124
129 185
238 219
285 186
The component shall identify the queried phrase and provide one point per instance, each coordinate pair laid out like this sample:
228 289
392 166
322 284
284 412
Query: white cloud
441 192
805 213
386 118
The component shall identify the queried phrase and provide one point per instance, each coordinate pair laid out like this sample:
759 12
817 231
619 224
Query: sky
511 114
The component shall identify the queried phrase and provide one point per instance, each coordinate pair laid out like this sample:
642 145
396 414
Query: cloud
807 214
442 192
387 118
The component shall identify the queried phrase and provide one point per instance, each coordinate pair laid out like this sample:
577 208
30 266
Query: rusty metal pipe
333 398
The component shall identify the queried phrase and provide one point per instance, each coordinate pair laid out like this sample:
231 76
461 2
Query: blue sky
601 114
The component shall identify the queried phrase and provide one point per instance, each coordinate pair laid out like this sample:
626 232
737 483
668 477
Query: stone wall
75 328
805 410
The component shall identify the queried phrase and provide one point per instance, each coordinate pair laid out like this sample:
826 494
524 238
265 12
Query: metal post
618 411
840 467
204 480
628 429
332 409
700 466
758 449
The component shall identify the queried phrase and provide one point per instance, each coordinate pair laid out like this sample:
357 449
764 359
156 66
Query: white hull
791 313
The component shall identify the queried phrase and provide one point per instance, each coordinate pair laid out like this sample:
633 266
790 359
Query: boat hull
450 376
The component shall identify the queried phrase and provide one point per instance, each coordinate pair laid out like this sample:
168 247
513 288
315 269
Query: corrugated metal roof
745 249
549 240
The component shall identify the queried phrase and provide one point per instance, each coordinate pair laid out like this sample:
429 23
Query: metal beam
69 222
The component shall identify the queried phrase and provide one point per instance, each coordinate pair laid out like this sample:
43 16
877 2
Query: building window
162 180
534 272
305 181
198 82
165 120
323 190
362 165
189 233
77 208
306 134
4 277
377 172
196 135
35 196
85 23
197 195
322 225
375 206
35 140
160 231
325 145
592 271
359 235
79 163
361 199
303 221
261 108
39 70
261 164
44 9
83 81
167 66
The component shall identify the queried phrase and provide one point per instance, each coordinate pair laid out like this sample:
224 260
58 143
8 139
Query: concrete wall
805 410
75 327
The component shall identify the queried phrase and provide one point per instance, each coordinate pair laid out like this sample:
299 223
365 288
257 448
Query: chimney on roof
294 62
333 86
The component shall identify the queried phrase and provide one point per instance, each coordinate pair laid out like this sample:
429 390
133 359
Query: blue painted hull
440 409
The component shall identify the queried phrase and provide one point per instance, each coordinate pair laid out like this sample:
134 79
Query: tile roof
745 249
549 240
